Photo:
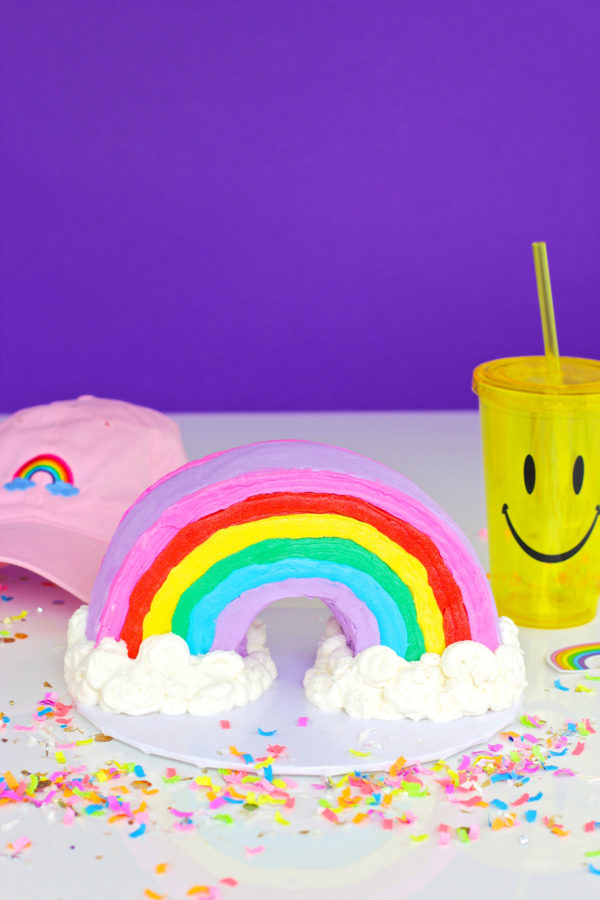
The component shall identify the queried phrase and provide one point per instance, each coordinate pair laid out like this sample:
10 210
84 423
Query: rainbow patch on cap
61 476
575 658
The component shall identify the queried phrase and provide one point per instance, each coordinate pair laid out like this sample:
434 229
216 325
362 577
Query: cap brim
68 559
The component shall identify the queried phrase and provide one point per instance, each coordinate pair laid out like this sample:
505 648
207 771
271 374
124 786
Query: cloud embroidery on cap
60 473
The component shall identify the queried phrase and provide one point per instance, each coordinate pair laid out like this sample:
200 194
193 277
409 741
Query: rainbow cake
172 625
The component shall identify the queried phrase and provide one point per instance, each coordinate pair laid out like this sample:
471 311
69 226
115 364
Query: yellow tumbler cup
541 456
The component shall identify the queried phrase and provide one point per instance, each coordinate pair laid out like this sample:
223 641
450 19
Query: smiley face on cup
529 479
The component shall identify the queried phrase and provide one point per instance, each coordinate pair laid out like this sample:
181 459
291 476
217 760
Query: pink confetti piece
473 832
225 724
253 851
24 728
230 882
171 773
522 799
579 748
591 826
564 772
587 724
443 835
69 817
19 845
302 721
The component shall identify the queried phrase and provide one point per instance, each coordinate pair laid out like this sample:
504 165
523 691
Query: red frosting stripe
445 590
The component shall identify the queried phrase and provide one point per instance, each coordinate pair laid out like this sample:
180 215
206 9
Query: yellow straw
542 275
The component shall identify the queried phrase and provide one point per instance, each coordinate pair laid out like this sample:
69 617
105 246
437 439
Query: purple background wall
312 204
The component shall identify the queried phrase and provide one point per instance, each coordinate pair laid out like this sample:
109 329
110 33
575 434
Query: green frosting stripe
338 550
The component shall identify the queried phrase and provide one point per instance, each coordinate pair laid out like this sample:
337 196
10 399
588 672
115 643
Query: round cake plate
320 747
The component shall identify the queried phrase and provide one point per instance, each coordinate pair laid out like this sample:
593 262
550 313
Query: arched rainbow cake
203 551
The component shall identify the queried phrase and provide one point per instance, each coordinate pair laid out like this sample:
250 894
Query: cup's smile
549 557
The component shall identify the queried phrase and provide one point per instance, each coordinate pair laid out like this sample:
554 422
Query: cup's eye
529 473
578 474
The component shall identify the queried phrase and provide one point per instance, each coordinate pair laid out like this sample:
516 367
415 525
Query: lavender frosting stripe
355 618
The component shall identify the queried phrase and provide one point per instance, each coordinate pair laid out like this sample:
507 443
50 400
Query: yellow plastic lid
523 382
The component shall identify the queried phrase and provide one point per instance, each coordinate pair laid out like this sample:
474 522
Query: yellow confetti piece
359 817
87 741
161 868
153 895
279 818
279 783
417 838
198 889
580 689
358 752
60 756
203 780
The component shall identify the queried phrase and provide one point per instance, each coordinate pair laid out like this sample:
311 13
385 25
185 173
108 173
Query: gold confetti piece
198 889
102 738
153 895
21 636
161 868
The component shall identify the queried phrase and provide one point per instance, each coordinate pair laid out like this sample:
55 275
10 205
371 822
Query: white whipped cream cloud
165 677
468 679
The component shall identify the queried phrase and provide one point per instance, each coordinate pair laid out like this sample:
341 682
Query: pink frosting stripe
465 567
355 618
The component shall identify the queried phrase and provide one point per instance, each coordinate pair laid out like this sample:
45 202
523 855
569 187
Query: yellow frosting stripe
238 537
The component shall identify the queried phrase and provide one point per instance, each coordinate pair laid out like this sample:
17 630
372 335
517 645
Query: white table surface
310 858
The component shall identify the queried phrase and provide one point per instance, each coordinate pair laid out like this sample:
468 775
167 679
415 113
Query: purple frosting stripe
355 618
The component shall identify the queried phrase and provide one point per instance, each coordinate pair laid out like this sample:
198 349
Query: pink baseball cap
68 472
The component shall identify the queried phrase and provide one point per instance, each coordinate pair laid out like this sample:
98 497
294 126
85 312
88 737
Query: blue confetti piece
139 772
5 598
531 815
268 773
560 686
94 808
550 768
502 776
536 798
233 800
558 752
267 733
138 831
499 803
593 869
571 726
247 758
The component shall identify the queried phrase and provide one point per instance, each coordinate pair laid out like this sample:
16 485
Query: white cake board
320 748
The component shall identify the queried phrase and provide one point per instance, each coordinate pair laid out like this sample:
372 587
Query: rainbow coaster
575 658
